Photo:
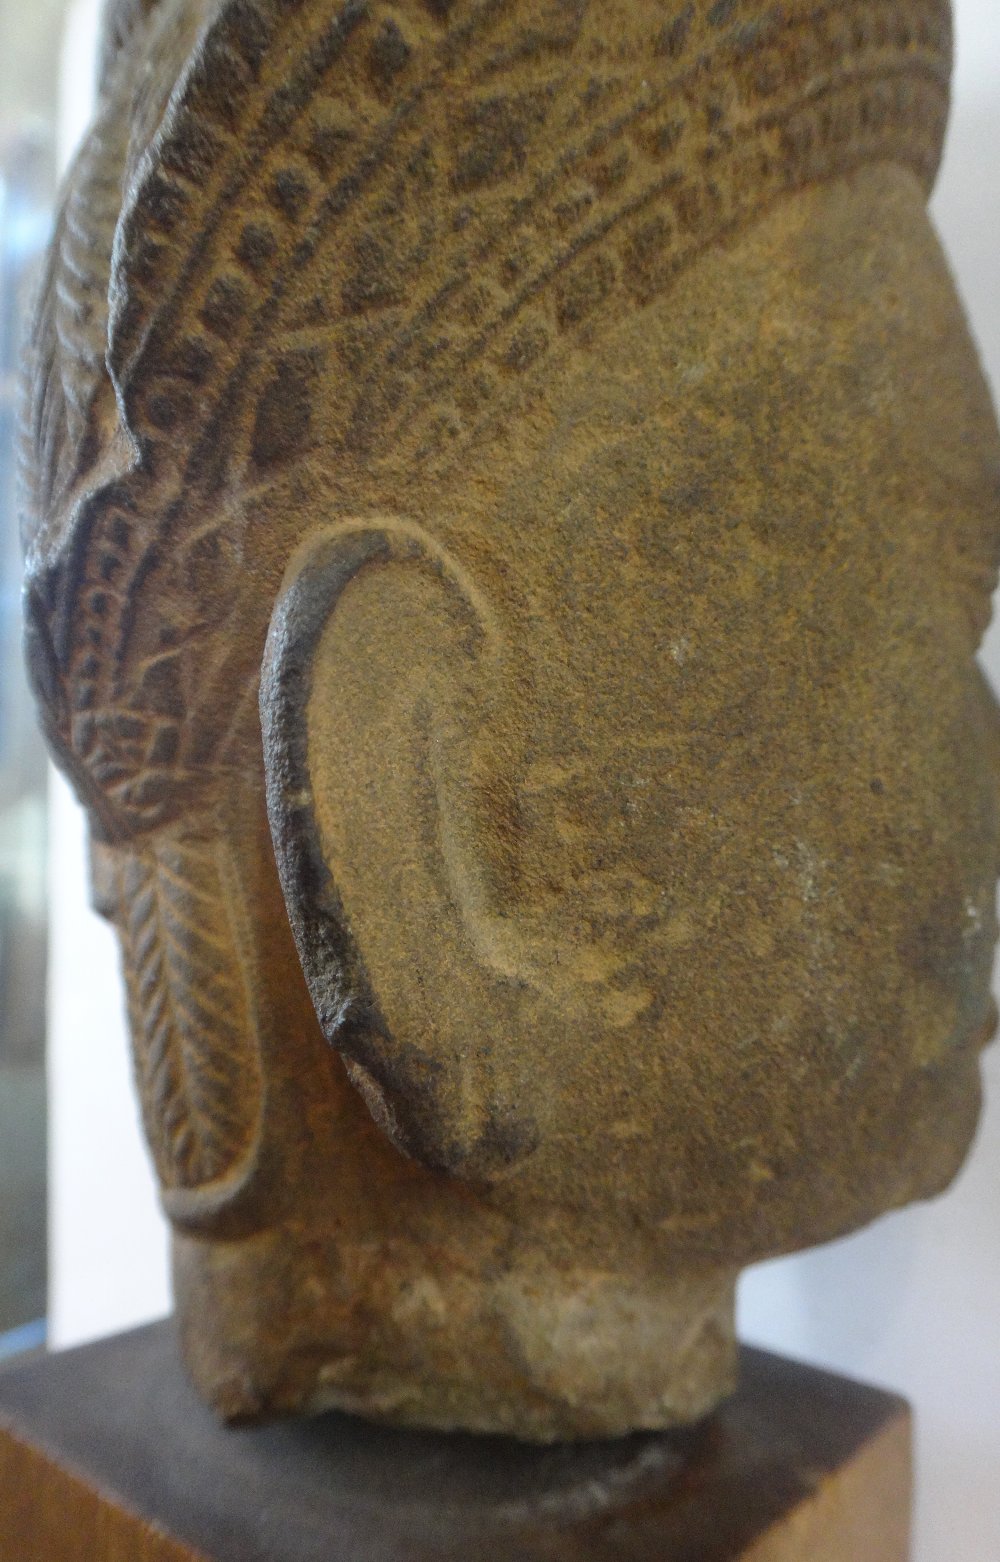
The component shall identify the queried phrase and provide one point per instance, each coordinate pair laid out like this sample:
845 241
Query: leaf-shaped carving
192 1024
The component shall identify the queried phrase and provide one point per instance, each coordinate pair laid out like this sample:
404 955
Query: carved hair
344 231
119 22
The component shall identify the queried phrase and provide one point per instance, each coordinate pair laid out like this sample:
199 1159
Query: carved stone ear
379 678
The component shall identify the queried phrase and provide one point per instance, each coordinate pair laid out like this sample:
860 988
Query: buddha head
512 508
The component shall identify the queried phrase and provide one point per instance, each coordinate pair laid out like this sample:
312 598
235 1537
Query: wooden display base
107 1456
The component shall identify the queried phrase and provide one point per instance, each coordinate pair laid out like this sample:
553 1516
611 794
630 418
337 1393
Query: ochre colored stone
512 507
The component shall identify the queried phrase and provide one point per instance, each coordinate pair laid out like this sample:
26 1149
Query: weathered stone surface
512 506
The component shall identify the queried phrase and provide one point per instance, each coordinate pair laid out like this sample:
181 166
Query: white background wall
913 1303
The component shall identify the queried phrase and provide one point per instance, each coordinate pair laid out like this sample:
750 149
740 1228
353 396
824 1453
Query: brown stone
512 507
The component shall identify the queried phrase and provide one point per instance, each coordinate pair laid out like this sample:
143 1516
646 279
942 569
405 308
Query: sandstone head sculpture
512 507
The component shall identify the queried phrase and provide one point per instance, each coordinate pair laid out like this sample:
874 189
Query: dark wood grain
106 1453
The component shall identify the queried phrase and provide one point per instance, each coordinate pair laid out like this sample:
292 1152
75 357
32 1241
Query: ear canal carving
376 631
